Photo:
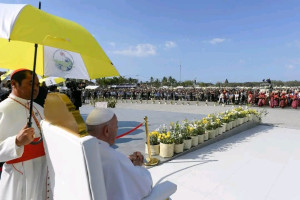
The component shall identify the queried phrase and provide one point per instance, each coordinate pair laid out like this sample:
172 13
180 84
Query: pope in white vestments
125 178
24 175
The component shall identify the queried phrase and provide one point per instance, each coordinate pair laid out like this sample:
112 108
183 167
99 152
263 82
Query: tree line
170 81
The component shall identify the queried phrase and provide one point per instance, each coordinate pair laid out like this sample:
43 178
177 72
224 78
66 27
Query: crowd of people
259 97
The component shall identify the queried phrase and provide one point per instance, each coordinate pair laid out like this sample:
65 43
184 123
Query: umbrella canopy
6 75
65 49
52 80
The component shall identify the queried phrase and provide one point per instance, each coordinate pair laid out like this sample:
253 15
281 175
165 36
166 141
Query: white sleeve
123 180
8 131
9 150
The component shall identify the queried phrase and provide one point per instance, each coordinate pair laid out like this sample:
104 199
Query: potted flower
177 136
166 145
209 128
217 126
178 142
154 143
225 121
193 133
200 131
187 140
204 123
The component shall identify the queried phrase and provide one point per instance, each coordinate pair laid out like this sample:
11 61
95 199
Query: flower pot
200 139
220 130
224 128
234 123
194 140
187 144
153 148
205 136
166 150
240 121
228 126
212 134
250 117
256 119
178 148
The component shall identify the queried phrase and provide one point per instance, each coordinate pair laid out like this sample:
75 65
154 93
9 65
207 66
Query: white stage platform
262 163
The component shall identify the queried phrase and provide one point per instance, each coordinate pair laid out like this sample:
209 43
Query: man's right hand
25 136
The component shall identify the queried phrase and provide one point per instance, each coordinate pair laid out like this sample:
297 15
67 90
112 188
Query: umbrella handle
41 138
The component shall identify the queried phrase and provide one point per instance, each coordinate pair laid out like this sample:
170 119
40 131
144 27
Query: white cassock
122 179
23 180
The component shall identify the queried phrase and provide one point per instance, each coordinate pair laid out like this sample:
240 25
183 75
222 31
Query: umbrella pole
29 123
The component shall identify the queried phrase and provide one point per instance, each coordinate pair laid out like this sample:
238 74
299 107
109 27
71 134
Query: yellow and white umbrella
49 45
52 80
6 75
65 49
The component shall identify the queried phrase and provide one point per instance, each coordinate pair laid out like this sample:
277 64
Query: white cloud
290 67
138 50
217 40
112 44
170 44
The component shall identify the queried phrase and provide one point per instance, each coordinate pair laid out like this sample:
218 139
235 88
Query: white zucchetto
99 116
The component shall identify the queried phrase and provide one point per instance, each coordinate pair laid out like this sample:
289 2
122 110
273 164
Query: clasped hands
136 158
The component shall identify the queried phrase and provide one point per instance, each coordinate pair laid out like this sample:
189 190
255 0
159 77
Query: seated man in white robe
125 178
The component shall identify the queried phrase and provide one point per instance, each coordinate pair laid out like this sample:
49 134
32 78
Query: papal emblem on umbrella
63 60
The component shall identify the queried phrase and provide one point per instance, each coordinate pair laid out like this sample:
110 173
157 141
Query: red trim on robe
30 152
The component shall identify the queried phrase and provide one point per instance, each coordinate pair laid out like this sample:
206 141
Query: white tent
91 87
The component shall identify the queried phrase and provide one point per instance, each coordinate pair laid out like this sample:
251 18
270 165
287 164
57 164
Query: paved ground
261 163
132 114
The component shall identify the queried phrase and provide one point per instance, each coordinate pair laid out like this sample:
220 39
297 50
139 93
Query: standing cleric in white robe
125 178
24 175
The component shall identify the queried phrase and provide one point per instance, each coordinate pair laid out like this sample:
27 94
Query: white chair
74 165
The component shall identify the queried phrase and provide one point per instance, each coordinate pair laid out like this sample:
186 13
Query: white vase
200 139
166 150
153 148
178 148
187 143
194 140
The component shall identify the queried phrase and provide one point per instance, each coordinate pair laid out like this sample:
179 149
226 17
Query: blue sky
211 39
